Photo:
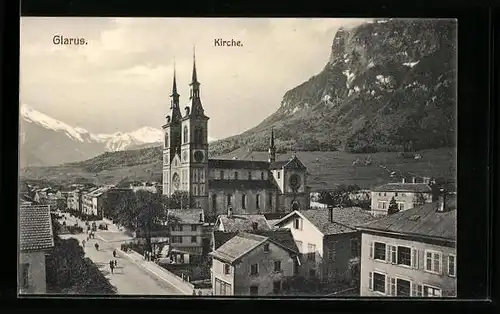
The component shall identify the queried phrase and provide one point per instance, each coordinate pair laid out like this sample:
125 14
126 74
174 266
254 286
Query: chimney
229 212
255 225
442 200
403 180
426 180
330 213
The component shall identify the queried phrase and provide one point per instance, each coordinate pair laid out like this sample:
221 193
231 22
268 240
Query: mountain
48 141
389 85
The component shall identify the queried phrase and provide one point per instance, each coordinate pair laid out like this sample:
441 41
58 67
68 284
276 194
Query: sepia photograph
226 157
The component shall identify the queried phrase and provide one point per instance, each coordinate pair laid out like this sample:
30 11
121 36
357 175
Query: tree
393 207
178 200
340 196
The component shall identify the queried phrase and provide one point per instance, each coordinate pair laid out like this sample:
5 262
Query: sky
122 78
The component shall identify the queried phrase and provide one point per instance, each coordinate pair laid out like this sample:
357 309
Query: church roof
238 164
241 185
292 163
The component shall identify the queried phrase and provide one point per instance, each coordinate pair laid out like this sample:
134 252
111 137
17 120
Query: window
254 290
403 287
24 277
396 194
312 272
195 189
355 247
254 270
299 245
227 269
431 291
222 288
221 174
378 282
214 203
193 239
277 265
401 206
185 134
385 194
194 228
249 175
257 201
296 223
262 175
452 265
433 261
198 135
278 174
381 205
236 175
276 287
176 239
243 201
255 225
403 255
270 200
266 248
332 253
228 199
166 139
311 252
379 251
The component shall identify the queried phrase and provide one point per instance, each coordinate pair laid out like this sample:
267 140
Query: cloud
121 80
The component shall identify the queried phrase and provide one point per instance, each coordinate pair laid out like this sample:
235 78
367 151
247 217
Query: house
36 240
232 222
406 195
328 242
411 253
93 202
253 264
185 235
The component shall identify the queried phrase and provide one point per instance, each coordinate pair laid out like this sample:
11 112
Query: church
216 185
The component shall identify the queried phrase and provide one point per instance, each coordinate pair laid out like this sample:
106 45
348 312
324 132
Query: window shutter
441 264
414 258
419 290
370 281
371 250
388 253
394 259
414 289
393 286
387 285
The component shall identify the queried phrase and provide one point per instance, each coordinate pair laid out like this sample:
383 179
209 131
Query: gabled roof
404 187
238 246
345 220
424 220
243 222
282 237
187 215
237 164
35 228
292 163
242 184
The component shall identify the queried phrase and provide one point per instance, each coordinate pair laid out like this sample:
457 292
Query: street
128 278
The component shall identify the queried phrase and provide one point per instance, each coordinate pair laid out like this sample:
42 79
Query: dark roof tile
237 164
242 185
35 228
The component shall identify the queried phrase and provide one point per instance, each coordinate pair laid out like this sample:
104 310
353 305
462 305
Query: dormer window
266 248
255 225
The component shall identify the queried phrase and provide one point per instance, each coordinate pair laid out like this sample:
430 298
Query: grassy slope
326 169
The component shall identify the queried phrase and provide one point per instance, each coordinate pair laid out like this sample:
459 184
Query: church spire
196 106
174 105
272 148
194 78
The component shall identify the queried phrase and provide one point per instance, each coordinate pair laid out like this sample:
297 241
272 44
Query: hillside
389 86
326 169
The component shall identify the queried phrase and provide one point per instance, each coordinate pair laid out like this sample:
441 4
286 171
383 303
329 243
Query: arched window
243 201
166 139
257 201
198 135
185 134
214 203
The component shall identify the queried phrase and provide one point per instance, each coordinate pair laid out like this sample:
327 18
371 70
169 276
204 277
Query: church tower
194 146
272 148
172 137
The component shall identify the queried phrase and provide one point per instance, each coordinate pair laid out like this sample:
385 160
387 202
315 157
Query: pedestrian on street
116 263
114 253
97 246
83 242
111 266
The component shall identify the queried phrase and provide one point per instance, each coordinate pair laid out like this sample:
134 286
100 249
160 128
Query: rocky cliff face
389 85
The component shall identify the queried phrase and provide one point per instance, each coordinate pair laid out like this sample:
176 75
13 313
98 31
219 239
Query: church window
185 134
222 174
262 175
195 175
202 189
249 175
228 199
243 201
166 139
214 203
198 135
202 175
195 189
236 175
257 201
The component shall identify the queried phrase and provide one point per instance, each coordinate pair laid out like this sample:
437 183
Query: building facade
406 195
186 235
411 253
216 184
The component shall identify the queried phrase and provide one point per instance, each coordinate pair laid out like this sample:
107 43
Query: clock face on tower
176 181
185 156
294 182
198 156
